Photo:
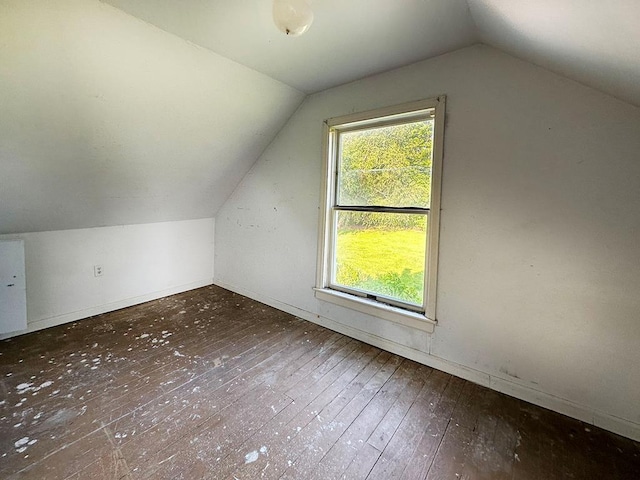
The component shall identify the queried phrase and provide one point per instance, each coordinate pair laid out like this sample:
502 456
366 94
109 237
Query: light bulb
293 17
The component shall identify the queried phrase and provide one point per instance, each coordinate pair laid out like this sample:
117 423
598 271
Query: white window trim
423 321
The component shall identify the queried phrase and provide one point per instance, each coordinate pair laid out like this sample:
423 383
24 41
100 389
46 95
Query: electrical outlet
97 270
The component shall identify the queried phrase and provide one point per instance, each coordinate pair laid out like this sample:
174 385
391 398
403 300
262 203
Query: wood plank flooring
210 384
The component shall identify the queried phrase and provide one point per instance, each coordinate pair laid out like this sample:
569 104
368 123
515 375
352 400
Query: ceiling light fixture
293 17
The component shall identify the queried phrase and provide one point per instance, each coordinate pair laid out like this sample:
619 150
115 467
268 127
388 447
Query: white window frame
430 108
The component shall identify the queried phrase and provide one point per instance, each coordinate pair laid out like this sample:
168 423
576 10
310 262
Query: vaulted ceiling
594 43
349 39
108 116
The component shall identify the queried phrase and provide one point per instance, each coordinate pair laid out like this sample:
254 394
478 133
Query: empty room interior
325 239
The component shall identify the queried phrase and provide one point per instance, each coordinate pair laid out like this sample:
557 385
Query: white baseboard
108 307
566 407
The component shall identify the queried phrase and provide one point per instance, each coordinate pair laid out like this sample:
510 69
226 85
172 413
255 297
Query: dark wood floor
209 384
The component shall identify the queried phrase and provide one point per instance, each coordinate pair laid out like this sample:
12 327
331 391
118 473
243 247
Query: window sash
372 208
433 108
363 293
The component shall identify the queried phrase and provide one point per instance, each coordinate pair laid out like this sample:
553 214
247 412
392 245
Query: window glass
381 254
386 166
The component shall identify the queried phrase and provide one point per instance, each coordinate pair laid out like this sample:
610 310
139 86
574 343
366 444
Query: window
378 248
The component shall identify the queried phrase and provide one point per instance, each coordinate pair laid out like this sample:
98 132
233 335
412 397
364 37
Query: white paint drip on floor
28 387
22 441
219 360
251 457
167 459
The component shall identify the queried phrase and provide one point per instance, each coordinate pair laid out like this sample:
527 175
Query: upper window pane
386 166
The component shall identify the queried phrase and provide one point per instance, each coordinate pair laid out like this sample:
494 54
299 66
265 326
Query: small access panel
13 291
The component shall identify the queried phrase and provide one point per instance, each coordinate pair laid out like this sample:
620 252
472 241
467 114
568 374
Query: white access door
13 291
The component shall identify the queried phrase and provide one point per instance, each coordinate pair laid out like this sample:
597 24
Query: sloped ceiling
594 43
349 39
106 120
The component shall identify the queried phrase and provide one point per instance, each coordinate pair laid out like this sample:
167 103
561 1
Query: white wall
140 262
539 278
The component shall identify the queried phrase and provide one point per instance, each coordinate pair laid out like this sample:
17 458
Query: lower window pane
381 254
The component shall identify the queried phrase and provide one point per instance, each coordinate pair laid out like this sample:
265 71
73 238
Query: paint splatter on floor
251 457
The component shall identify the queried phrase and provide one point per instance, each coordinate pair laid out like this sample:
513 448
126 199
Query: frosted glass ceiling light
293 17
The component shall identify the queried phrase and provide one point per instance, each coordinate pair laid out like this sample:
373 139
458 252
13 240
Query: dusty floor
209 384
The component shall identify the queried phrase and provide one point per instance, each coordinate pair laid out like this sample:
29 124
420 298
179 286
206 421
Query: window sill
377 309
